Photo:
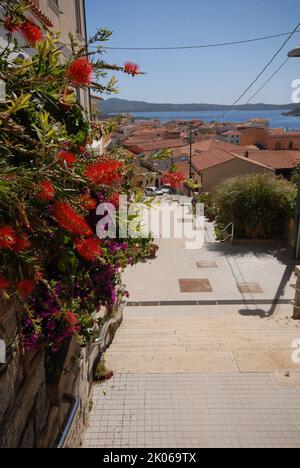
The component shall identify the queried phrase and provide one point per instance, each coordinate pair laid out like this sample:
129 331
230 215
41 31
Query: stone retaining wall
296 315
35 403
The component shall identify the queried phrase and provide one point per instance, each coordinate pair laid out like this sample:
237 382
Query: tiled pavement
195 410
203 376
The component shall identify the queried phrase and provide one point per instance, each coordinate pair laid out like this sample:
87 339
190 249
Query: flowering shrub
173 179
50 185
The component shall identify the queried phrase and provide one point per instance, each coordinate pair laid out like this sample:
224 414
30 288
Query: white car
153 192
166 189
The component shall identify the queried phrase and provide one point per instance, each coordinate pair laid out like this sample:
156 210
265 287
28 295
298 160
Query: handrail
101 340
70 419
230 236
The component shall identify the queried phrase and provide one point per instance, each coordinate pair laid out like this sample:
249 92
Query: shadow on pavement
279 252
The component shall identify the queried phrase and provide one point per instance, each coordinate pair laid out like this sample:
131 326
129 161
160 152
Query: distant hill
293 113
115 105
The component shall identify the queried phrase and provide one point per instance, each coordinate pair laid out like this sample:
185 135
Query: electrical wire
268 81
205 46
263 86
262 72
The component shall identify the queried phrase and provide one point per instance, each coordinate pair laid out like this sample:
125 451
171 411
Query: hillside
116 105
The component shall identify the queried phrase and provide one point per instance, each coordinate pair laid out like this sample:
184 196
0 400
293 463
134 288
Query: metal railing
229 236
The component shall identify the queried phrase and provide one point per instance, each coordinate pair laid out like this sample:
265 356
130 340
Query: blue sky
209 75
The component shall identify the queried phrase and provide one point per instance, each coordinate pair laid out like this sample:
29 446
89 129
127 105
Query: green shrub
209 209
260 206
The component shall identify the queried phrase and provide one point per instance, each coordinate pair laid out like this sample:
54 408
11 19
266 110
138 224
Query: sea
276 117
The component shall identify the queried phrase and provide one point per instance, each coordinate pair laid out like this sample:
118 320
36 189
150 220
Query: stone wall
297 296
37 395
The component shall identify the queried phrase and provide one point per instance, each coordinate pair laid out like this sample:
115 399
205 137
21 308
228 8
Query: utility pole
191 153
295 53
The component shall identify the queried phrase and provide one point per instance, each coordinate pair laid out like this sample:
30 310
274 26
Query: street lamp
294 53
296 234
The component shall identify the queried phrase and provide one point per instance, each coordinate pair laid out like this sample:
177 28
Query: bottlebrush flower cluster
131 69
80 72
27 27
69 220
31 32
51 185
174 179
105 173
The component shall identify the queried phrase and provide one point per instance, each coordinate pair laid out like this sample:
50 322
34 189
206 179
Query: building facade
65 16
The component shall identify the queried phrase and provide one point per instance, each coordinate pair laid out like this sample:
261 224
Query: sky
214 76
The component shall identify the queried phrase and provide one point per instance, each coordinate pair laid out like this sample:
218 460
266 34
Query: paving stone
250 288
206 264
195 285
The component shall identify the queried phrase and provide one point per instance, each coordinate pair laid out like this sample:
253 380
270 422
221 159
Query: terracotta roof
211 158
231 132
156 145
284 134
38 12
220 153
276 159
198 146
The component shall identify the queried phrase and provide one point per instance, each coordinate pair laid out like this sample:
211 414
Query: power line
268 81
264 85
205 46
262 72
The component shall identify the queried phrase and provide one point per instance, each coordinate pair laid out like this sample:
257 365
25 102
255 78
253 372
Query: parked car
153 192
166 189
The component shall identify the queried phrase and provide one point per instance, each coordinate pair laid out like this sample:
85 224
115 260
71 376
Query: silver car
153 192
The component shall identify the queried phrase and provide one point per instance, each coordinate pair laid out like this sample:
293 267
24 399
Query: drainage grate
195 286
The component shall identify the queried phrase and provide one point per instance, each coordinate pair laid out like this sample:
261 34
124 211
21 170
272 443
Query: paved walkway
203 375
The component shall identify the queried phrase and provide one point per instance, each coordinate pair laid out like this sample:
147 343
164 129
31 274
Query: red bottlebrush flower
67 157
89 249
11 25
72 320
131 69
31 32
80 72
81 149
69 220
114 199
105 173
174 179
47 191
22 244
25 288
88 202
7 237
38 277
4 283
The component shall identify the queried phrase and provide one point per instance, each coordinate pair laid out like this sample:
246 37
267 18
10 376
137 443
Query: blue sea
275 116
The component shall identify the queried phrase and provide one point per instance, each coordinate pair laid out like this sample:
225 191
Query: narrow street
204 356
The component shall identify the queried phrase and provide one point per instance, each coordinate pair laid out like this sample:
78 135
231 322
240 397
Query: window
78 17
55 6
